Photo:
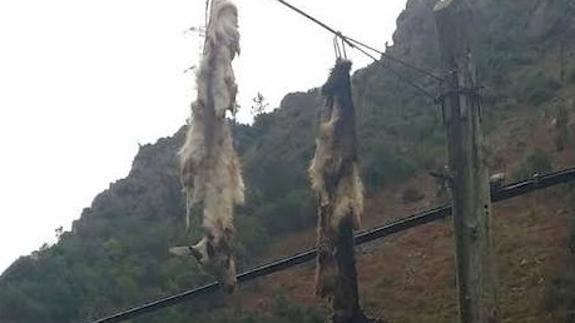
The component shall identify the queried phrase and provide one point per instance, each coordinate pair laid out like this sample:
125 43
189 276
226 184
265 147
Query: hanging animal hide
210 169
335 179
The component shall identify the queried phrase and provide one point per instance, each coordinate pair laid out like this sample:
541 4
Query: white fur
210 168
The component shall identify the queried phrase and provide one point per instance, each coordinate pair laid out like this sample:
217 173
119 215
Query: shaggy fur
334 170
210 169
335 179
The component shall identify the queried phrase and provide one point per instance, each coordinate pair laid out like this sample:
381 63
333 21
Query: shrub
293 312
282 310
293 211
412 195
540 95
383 167
560 292
251 234
535 161
562 137
536 88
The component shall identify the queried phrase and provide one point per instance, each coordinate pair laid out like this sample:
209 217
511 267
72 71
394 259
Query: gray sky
82 82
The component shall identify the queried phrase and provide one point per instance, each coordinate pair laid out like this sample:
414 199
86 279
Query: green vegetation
560 293
537 88
563 137
536 161
411 195
292 312
116 254
281 310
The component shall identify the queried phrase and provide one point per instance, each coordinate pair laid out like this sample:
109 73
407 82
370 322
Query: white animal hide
210 169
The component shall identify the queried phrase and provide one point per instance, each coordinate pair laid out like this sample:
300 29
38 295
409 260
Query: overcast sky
82 82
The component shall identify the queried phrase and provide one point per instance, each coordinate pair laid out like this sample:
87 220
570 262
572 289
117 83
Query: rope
343 48
336 48
340 50
537 182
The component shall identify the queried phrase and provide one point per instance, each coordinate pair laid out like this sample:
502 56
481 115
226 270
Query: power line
353 42
537 182
323 25
400 76
360 46
395 59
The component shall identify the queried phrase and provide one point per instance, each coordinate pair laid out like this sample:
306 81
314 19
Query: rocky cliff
115 256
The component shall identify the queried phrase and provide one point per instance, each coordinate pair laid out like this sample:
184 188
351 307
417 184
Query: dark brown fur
335 164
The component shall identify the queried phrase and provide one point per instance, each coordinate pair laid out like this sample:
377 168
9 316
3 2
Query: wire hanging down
537 182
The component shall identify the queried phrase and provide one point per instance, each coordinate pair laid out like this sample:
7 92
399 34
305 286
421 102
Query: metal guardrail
537 182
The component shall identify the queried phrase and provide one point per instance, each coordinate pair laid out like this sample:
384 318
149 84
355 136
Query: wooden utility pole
475 254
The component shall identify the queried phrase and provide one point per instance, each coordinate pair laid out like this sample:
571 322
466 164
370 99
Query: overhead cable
535 183
351 42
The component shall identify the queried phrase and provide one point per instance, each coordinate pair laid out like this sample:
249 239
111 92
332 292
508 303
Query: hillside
116 253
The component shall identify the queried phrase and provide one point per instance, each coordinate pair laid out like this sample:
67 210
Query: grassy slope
406 278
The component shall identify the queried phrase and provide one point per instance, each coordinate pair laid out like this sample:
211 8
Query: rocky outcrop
151 190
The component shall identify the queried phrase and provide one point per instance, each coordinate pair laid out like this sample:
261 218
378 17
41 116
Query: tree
59 231
562 128
259 105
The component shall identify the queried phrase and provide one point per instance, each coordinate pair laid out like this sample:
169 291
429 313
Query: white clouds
83 81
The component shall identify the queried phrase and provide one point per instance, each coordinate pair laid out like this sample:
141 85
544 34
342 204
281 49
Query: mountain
116 256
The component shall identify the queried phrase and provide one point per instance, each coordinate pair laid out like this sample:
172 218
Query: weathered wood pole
475 255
